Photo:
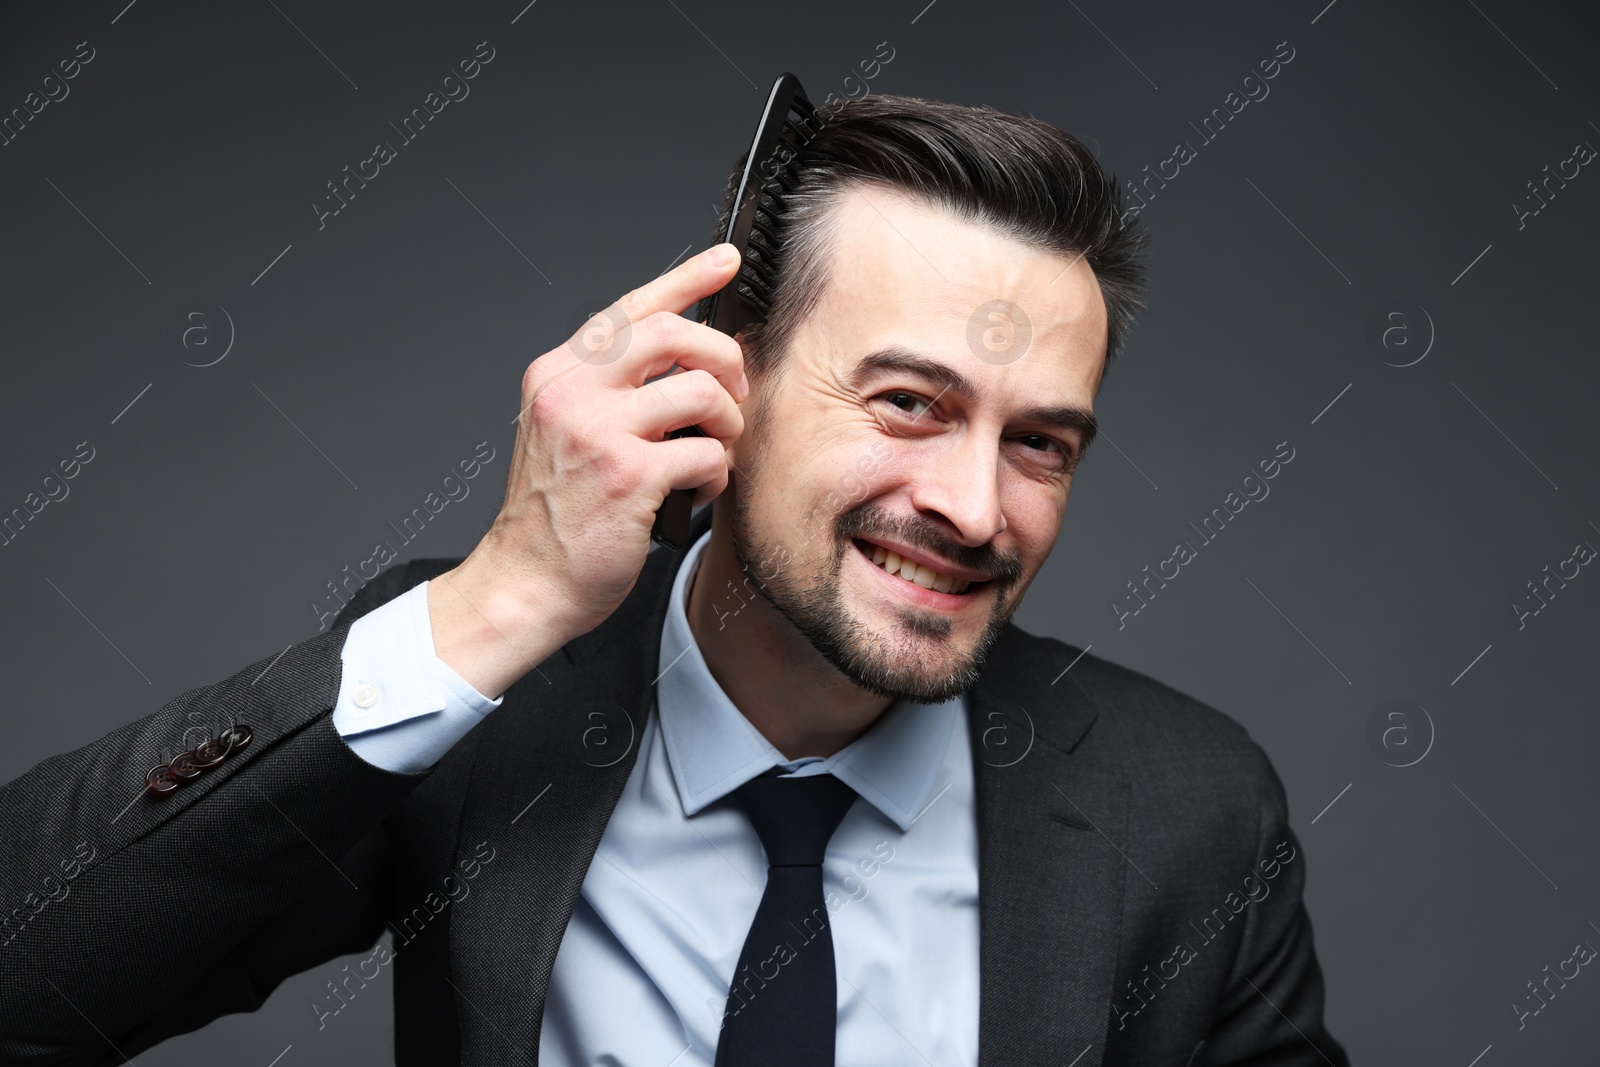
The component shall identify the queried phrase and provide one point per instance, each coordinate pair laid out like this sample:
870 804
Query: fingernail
744 386
722 255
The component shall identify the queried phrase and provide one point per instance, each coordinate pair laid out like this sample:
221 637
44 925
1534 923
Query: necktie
782 1001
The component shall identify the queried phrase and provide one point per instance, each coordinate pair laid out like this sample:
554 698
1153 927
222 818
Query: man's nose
962 483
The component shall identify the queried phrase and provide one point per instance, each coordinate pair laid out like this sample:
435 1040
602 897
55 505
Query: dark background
377 351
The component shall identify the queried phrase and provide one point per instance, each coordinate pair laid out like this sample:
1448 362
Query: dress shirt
644 967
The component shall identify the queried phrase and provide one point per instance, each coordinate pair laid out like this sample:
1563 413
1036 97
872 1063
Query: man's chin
900 663
896 683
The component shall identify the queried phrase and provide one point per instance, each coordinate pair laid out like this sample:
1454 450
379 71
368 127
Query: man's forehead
900 264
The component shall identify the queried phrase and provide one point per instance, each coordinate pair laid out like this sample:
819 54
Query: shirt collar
713 749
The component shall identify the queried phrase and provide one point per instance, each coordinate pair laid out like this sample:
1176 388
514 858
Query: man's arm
123 914
1271 1011
126 918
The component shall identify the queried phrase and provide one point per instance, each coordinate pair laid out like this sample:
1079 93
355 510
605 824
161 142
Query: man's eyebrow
898 358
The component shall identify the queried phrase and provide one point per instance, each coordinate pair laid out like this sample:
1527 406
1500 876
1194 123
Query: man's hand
589 469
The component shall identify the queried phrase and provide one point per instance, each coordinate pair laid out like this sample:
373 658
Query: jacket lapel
550 768
1051 820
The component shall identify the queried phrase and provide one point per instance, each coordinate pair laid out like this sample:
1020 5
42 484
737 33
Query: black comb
788 125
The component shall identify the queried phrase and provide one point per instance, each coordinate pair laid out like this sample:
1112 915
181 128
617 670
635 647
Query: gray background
588 156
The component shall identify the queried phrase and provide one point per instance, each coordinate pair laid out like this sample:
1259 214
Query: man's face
964 464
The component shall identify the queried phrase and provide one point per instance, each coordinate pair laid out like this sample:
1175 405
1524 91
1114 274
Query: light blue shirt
644 968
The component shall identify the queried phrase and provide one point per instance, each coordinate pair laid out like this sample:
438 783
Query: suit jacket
1139 886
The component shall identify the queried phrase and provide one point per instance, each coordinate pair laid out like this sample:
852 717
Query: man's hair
1024 177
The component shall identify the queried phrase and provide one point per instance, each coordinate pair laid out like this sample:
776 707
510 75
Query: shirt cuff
400 707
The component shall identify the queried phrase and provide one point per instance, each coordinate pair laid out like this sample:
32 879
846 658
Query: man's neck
799 702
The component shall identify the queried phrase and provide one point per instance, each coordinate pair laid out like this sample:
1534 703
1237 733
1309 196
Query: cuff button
365 695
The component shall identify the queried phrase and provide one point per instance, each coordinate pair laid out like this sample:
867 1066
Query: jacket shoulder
1202 785
1149 723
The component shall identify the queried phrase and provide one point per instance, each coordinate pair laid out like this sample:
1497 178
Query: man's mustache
926 537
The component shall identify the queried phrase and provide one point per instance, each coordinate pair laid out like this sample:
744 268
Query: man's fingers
671 340
646 323
696 277
697 463
691 398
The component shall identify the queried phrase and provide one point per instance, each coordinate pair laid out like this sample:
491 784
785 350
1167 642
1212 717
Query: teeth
913 572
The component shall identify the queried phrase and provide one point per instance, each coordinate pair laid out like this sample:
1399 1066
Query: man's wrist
486 633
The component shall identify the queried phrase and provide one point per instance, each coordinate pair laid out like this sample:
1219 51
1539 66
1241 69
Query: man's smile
928 587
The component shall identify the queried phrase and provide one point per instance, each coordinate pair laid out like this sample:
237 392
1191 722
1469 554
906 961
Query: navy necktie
782 1002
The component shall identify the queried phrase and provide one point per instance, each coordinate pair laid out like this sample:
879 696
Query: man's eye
897 396
1046 442
1041 443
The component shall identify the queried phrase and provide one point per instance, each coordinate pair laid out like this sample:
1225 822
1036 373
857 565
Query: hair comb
788 124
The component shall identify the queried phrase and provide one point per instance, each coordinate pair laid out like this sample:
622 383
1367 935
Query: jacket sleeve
1271 1010
127 918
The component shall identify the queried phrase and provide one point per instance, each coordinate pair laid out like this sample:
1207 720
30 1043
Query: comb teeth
759 269
763 248
756 299
789 126
759 231
807 123
802 130
759 274
762 261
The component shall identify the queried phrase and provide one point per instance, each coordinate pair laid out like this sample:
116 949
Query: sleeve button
235 738
365 695
183 766
159 782
209 753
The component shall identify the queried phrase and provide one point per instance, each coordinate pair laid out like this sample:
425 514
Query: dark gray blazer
1139 886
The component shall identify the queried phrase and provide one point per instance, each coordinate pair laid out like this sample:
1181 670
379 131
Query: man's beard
819 612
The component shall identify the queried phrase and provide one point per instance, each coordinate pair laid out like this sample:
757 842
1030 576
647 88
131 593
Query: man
800 794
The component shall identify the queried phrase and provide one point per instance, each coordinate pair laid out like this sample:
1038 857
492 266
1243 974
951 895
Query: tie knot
795 817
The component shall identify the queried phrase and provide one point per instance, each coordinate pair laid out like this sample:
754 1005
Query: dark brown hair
1025 177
